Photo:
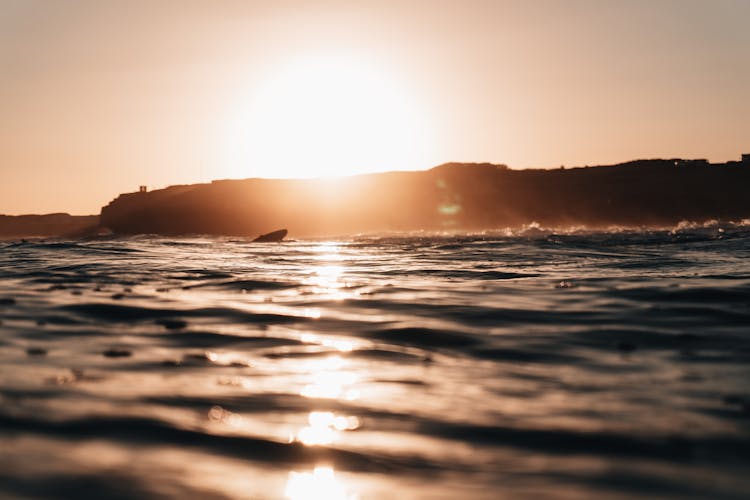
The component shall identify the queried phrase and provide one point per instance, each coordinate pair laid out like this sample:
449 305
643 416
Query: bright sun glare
328 116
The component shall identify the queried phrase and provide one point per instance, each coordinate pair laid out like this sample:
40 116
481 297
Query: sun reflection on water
328 381
217 414
342 345
329 250
327 277
226 359
327 280
319 484
331 385
325 428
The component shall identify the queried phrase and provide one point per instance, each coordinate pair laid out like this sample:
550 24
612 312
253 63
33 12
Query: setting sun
327 116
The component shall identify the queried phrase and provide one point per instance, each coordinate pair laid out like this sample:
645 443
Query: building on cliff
701 162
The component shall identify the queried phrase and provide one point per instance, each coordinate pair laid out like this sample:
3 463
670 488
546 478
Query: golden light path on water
315 485
328 379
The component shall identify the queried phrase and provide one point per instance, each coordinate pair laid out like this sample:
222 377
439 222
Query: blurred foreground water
527 365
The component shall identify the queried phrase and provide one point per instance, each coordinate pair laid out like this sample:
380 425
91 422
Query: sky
98 97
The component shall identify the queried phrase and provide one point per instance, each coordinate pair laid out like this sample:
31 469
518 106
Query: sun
329 116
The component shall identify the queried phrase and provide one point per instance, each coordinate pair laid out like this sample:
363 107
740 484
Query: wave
587 356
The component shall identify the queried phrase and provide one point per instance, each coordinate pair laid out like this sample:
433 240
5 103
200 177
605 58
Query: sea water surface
529 364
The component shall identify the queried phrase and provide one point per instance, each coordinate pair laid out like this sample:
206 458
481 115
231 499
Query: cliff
451 196
15 226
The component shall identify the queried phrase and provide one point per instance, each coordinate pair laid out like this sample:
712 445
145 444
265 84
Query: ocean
512 364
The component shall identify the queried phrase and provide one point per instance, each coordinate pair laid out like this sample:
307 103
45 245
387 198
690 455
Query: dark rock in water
271 237
117 353
7 301
36 351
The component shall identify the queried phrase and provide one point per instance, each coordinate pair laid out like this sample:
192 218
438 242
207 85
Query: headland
59 224
453 196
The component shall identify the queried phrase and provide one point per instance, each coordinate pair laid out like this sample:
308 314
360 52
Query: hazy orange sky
98 97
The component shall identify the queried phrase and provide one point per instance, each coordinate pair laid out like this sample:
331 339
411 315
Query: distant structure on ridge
701 162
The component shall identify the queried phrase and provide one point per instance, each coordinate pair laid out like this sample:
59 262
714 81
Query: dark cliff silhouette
451 196
14 226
